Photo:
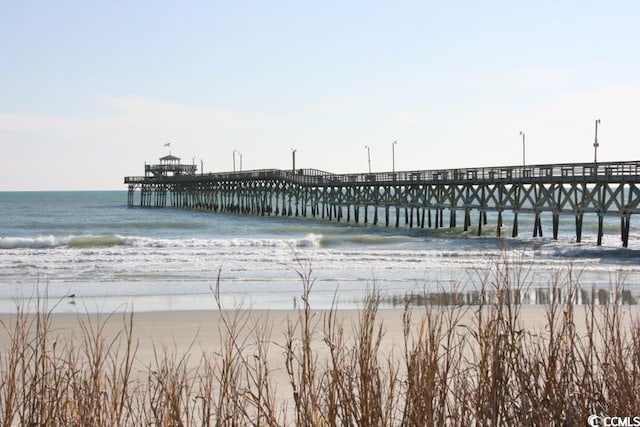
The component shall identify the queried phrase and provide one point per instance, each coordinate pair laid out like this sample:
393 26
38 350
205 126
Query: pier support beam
556 224
537 225
600 228
579 217
467 219
625 230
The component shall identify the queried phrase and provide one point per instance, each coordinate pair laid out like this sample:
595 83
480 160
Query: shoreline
348 300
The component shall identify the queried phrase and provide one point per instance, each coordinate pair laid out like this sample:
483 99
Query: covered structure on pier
169 166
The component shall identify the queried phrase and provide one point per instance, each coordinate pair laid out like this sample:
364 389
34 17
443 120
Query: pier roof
169 157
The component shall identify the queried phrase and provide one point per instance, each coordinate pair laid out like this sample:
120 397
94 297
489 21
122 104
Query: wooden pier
411 198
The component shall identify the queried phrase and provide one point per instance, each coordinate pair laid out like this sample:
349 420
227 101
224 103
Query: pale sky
90 90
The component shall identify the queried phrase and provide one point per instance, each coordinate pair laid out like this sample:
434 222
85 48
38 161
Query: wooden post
466 219
539 224
579 216
386 215
625 234
537 227
600 228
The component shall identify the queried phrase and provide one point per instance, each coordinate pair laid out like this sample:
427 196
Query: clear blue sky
90 90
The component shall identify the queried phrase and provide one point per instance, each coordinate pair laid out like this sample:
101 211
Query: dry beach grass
494 363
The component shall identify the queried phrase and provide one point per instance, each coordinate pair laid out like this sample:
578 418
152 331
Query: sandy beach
193 333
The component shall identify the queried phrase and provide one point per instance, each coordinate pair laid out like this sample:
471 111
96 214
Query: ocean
89 252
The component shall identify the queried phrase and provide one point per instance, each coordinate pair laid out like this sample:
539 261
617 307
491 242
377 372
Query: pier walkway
420 198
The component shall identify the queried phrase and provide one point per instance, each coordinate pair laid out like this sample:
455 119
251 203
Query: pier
421 198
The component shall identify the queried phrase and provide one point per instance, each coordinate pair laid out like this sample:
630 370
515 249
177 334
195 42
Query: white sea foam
96 241
27 242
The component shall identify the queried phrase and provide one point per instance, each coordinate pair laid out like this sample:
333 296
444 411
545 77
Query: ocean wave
30 243
604 254
365 239
99 241
89 241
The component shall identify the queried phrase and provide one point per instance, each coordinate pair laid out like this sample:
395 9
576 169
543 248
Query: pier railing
520 173
561 172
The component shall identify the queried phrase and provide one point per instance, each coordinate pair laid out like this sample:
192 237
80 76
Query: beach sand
195 332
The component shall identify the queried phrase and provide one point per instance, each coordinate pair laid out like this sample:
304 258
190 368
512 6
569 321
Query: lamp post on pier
393 156
240 155
524 163
596 144
368 156
201 165
234 160
293 155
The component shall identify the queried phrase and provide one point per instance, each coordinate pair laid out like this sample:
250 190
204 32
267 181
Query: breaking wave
93 241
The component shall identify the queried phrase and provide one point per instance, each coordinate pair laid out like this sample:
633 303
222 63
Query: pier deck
576 189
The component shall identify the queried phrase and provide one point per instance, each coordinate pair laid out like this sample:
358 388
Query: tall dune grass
454 365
